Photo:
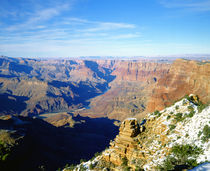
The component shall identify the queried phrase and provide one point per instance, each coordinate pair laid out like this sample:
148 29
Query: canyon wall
31 87
184 77
172 139
99 88
129 91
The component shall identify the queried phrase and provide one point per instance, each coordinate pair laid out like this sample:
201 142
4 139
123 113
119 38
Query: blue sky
71 28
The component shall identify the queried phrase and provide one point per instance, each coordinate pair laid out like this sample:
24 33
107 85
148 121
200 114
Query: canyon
100 88
81 103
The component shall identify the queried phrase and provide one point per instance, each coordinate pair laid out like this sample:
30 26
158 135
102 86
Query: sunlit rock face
184 77
116 89
149 144
129 91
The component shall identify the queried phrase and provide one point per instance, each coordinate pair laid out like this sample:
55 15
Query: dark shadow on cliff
45 145
12 104
83 91
19 68
106 75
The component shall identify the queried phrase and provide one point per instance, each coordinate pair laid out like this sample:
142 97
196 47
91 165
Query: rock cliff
129 91
126 88
174 138
30 87
184 77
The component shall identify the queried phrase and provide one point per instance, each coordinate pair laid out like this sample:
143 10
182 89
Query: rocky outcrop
155 143
184 77
123 145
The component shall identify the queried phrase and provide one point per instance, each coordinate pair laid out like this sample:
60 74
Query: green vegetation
5 151
138 169
190 108
69 167
157 113
124 161
82 168
199 133
91 166
201 106
183 152
82 160
171 127
206 134
191 114
97 154
168 164
176 107
182 155
179 117
127 168
184 102
168 117
197 102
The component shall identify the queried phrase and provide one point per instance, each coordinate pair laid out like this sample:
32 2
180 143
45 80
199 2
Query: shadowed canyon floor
37 144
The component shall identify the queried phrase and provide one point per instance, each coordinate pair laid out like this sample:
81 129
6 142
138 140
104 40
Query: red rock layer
139 71
184 77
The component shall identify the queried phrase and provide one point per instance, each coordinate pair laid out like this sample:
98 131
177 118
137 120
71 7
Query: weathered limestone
124 144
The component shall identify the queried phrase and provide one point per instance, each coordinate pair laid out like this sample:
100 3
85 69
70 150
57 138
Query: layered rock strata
184 77
149 144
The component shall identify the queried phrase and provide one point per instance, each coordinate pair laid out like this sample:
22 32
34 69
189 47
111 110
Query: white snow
185 132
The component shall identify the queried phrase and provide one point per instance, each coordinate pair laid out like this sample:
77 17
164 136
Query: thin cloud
125 36
39 16
106 26
193 5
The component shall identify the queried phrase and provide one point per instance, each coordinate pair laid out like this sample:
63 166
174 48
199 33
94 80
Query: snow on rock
186 131
179 124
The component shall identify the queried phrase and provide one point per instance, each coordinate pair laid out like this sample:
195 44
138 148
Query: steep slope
36 86
144 86
184 77
174 138
129 91
32 144
126 88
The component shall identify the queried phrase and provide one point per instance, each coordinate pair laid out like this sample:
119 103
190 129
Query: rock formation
129 91
31 87
176 137
127 88
184 77
123 145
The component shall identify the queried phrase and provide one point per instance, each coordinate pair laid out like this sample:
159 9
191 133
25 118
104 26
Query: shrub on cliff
157 113
124 161
4 151
201 106
172 127
206 134
183 157
179 117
